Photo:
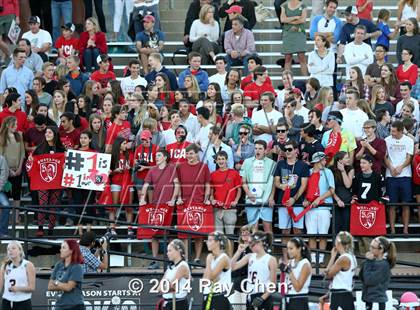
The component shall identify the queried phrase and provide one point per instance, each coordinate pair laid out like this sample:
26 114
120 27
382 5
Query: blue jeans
58 10
89 59
243 61
5 210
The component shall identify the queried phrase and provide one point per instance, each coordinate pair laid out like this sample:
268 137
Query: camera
139 163
100 241
284 268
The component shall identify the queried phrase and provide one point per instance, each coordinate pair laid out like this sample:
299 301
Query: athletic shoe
153 265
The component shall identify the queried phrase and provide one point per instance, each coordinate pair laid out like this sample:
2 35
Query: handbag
262 13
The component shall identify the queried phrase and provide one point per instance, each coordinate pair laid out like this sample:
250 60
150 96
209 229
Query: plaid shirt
91 263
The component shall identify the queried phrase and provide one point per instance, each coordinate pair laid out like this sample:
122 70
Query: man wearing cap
239 44
358 53
318 219
372 146
347 142
327 24
17 75
66 44
40 39
60 9
348 30
233 8
10 12
103 75
148 41
33 61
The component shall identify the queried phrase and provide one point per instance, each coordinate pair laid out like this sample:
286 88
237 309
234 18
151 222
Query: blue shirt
152 39
21 79
321 24
292 175
150 77
347 32
326 181
383 38
77 84
201 76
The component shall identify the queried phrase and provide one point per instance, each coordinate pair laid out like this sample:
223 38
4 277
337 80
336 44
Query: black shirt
367 187
306 150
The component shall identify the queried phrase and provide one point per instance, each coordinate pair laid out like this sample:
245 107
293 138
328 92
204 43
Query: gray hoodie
375 276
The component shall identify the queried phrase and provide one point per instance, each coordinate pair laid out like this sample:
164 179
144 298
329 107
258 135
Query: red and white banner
153 215
368 219
196 217
46 171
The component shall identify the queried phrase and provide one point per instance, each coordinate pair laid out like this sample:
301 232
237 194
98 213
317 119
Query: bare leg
303 65
155 247
288 61
406 218
198 245
267 226
418 209
144 63
392 219
284 240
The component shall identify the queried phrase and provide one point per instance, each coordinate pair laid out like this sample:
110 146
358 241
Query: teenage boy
103 75
66 44
129 83
194 59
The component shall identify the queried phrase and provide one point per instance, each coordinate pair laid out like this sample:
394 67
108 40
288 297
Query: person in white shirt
204 34
40 39
220 76
215 146
321 61
300 109
129 83
400 150
202 138
405 90
353 117
188 119
264 121
358 53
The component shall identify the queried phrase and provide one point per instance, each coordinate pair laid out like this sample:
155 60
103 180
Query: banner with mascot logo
368 219
46 171
153 215
196 217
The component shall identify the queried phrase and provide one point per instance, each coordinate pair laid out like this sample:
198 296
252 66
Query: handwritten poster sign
86 170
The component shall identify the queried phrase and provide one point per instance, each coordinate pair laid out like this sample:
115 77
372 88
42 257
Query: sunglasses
326 23
243 133
281 130
289 149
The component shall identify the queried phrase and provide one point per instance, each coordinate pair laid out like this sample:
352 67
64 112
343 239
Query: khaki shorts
5 22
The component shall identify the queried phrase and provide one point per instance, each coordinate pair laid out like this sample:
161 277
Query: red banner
196 217
160 215
368 219
46 171
416 169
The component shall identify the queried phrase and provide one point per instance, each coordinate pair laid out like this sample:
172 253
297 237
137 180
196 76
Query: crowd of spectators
232 129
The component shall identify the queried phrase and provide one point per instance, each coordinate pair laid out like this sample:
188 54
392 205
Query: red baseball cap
149 18
234 9
145 135
297 91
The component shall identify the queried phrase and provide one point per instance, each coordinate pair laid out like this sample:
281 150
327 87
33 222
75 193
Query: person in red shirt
122 162
253 63
66 44
144 158
92 43
253 91
119 127
103 75
364 9
194 178
13 105
177 150
69 135
225 193
164 180
407 71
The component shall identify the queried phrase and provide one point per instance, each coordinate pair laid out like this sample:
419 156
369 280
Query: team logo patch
367 216
195 217
48 169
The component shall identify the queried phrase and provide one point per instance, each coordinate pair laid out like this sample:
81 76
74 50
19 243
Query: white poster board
86 170
14 32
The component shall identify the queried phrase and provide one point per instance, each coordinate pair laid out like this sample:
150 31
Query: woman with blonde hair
92 43
137 112
91 90
375 272
341 272
214 118
17 279
58 106
193 89
204 34
13 150
325 98
378 102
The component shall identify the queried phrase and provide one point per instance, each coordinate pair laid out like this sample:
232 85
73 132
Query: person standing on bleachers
232 8
99 12
10 12
4 201
348 30
239 44
411 40
321 61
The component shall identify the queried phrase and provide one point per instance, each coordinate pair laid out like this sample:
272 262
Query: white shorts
317 221
286 222
118 188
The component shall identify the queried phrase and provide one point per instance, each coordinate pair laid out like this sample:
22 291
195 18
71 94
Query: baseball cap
102 58
317 157
34 20
335 116
234 9
297 91
149 18
69 26
145 135
351 9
